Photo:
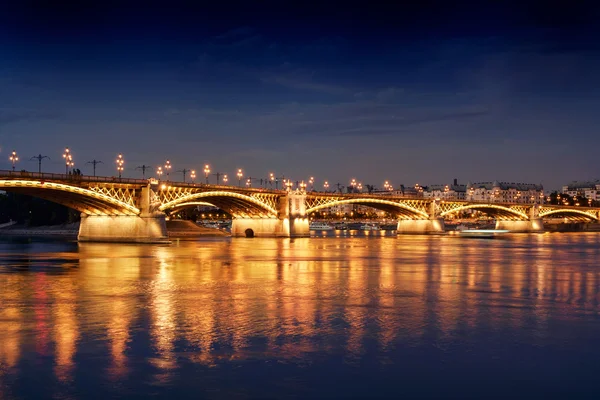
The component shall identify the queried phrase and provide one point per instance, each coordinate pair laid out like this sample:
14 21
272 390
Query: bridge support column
421 226
123 229
533 225
291 220
148 227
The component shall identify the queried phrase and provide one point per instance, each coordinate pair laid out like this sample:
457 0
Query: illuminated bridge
134 210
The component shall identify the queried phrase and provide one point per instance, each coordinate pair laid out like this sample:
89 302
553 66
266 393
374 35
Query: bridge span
134 210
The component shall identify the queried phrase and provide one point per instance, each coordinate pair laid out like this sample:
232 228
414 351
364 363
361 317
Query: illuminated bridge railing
7 174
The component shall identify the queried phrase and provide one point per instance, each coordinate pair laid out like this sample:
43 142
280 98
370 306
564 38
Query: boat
212 225
463 231
370 227
340 226
320 226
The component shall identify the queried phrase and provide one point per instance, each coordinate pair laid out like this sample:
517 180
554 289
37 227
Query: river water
334 317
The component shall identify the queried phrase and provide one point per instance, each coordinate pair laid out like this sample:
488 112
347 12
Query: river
335 317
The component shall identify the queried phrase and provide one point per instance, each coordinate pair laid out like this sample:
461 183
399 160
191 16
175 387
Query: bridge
135 210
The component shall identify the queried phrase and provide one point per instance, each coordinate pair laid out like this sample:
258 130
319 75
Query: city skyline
436 93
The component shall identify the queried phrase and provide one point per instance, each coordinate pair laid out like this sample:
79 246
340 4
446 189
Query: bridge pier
533 225
123 229
270 227
421 226
147 227
291 220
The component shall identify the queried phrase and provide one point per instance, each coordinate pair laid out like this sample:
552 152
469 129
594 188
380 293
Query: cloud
294 81
13 115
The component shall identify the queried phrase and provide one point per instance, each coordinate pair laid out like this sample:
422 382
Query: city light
193 175
225 179
326 186
206 172
167 168
240 174
13 159
120 161
159 172
68 156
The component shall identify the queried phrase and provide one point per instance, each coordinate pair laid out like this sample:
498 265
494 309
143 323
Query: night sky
410 94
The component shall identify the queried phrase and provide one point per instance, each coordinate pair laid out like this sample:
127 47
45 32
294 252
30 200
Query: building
589 190
505 192
453 191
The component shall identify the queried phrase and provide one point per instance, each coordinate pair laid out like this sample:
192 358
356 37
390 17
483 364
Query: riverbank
67 231
176 229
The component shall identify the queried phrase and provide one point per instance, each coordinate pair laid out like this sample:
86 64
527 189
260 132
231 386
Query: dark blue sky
422 93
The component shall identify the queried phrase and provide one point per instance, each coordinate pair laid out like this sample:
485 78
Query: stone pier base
534 225
270 227
421 226
123 229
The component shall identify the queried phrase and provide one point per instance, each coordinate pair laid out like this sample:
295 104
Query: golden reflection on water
229 300
65 327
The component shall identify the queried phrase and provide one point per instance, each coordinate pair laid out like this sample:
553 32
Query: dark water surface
350 317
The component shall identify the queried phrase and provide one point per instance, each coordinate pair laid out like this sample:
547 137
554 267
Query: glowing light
13 158
120 161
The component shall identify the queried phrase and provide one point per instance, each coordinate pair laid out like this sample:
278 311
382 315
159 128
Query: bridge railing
67 177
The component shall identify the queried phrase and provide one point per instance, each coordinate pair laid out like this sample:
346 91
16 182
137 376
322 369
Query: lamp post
225 179
68 160
271 179
206 172
167 168
192 175
184 172
312 183
39 158
326 186
120 161
289 184
386 185
239 175
302 186
159 172
249 182
94 163
13 158
353 184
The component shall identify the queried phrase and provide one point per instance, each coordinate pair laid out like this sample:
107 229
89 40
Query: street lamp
13 158
312 183
167 168
271 179
386 185
239 175
193 175
159 172
206 172
249 182
326 186
68 160
120 161
353 184
302 186
225 179
359 187
289 184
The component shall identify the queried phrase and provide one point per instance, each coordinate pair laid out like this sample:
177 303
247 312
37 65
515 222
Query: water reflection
154 310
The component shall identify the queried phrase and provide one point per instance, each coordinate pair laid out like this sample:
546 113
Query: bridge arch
236 204
83 200
568 213
493 209
189 204
381 204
